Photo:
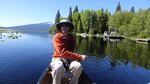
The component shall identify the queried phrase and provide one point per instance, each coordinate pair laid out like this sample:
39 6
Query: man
63 54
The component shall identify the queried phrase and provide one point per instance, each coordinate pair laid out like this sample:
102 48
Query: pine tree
57 18
75 19
70 14
76 9
93 22
148 9
102 22
85 19
118 8
105 24
132 9
99 21
79 26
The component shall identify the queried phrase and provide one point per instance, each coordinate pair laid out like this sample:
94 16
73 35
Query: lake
24 56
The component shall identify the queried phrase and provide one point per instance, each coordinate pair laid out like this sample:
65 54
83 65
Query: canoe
46 78
144 40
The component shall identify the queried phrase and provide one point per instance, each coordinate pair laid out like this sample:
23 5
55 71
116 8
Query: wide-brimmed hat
64 21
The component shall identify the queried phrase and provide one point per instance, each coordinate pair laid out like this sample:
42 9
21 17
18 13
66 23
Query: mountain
33 27
1 27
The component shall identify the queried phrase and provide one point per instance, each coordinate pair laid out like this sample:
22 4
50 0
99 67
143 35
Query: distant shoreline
22 30
82 34
100 35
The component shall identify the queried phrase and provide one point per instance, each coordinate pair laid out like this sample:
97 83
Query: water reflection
90 46
115 61
124 50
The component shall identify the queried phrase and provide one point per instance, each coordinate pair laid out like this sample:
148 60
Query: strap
65 63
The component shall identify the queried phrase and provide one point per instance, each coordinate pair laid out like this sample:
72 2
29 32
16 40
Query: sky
21 12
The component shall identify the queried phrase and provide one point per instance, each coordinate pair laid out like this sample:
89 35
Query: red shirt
64 46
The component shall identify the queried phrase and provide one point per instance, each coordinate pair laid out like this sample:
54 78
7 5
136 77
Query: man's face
65 28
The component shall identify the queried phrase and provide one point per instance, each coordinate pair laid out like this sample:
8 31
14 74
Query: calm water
24 56
114 61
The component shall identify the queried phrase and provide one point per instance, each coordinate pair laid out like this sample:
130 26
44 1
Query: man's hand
83 57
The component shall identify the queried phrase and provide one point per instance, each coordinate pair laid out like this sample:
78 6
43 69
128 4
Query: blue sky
21 12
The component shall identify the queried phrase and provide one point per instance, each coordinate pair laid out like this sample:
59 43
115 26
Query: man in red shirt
63 55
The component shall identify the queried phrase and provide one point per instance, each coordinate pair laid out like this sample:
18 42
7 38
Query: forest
129 23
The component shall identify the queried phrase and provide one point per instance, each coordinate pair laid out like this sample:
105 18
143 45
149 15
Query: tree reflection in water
122 51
